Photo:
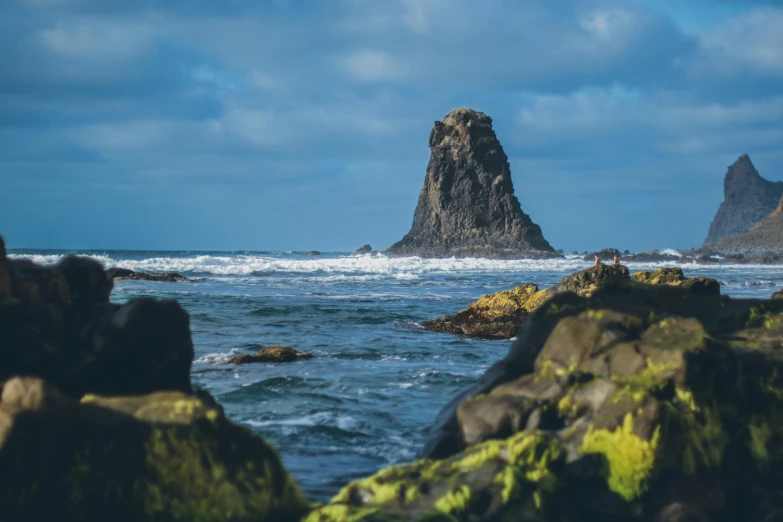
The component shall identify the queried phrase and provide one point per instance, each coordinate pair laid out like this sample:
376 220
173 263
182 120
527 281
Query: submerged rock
748 199
271 354
311 253
167 456
120 274
639 403
56 322
366 249
467 207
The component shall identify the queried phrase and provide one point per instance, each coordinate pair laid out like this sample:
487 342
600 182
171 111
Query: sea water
377 379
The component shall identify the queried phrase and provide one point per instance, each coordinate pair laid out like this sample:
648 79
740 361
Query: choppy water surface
368 397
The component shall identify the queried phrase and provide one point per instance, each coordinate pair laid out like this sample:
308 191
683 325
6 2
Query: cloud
99 40
369 65
749 43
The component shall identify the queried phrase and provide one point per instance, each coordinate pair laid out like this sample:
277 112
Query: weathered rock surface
748 199
500 315
166 456
640 403
56 322
121 274
366 249
763 240
311 253
271 354
675 277
605 254
467 207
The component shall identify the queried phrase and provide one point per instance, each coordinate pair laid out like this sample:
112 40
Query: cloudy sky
303 124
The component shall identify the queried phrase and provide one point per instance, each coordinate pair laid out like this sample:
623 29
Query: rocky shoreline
638 398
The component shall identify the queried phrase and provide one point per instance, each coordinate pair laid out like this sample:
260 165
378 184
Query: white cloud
99 40
753 41
368 65
611 24
415 16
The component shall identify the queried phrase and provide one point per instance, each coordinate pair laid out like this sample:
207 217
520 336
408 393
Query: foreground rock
271 354
160 457
366 249
640 403
56 322
467 207
748 199
121 274
500 315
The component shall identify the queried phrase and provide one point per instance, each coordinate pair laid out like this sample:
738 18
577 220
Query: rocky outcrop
605 254
467 207
56 323
121 274
675 277
640 403
763 240
271 354
311 253
748 199
167 456
366 249
500 315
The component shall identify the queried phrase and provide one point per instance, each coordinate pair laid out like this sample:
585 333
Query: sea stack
765 238
748 199
467 207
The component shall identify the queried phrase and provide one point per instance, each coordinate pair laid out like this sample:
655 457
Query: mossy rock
500 315
675 277
668 404
167 456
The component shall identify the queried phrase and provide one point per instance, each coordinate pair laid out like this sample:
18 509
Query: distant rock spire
748 199
467 207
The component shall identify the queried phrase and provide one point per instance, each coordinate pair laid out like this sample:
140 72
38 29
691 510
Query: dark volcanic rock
651 257
467 207
271 354
56 323
311 253
764 239
366 249
748 199
642 403
675 277
605 254
166 456
119 274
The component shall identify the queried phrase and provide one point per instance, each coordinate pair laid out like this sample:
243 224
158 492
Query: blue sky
284 124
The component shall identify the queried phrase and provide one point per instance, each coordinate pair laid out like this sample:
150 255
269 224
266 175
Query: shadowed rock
675 277
56 322
166 456
467 207
764 240
748 199
311 253
366 249
271 354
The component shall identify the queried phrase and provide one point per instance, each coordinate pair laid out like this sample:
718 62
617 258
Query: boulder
366 249
639 403
605 254
777 295
166 456
56 323
467 207
500 315
271 354
120 274
675 277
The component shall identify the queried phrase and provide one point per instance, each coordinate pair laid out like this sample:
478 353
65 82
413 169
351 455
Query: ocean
368 397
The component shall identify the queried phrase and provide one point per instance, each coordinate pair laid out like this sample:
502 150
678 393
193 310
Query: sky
299 125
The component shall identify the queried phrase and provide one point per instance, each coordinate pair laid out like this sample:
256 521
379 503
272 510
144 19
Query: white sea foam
671 252
218 358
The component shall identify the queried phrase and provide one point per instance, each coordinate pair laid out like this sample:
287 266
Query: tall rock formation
467 207
764 238
748 199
